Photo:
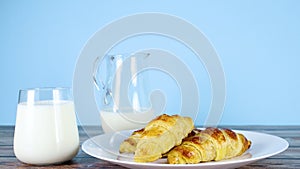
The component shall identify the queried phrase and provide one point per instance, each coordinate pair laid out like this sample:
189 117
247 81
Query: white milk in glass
50 130
125 119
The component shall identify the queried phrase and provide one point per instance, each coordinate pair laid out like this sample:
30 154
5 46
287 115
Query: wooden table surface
287 159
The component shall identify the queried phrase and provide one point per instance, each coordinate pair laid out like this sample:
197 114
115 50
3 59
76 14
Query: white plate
106 147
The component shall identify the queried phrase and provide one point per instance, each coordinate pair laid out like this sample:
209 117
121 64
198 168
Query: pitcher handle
98 83
95 72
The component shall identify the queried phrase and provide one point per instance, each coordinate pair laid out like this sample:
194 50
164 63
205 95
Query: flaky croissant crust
210 144
157 138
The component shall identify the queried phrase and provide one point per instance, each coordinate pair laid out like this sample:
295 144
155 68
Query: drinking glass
45 131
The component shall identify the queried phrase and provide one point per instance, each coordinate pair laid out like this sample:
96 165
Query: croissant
157 138
129 144
211 144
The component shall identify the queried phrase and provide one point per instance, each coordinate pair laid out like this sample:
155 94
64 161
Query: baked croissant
211 144
129 144
158 137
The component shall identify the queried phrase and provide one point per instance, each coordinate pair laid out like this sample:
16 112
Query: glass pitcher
121 87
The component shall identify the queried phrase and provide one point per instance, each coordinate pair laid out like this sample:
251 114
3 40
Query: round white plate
106 147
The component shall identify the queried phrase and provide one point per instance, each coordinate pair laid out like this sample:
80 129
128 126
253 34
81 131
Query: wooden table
288 159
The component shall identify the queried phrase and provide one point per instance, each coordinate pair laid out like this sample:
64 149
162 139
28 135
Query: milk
46 132
125 119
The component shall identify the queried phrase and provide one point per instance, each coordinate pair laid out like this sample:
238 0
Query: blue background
257 42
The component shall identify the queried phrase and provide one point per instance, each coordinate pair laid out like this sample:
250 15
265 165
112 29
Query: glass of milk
46 131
